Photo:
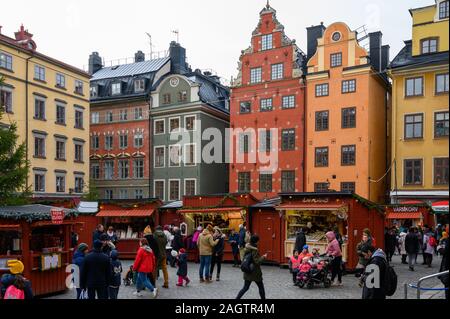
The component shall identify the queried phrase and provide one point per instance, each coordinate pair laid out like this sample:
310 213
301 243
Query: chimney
95 63
314 33
178 58
24 38
375 39
139 56
385 57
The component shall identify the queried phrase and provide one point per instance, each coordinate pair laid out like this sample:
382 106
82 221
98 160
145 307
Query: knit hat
147 231
98 244
15 266
82 247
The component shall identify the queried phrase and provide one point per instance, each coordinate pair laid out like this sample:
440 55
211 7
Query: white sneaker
155 292
138 294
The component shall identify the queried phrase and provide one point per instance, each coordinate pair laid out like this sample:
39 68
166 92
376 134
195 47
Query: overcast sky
213 32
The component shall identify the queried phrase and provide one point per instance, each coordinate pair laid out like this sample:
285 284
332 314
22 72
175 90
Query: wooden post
26 253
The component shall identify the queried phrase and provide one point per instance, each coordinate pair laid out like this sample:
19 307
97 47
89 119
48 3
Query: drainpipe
26 113
150 153
305 140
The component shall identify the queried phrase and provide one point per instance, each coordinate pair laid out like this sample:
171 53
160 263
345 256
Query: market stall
318 213
87 222
440 210
40 237
408 215
129 219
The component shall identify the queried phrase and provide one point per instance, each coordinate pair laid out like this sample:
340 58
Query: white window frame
75 183
265 43
42 174
277 73
79 84
39 68
135 166
111 191
136 136
179 124
123 191
256 75
164 188
180 155
154 157
95 117
195 185
6 57
185 146
123 115
195 124
65 182
179 189
60 76
10 91
141 195
164 126
114 87
139 85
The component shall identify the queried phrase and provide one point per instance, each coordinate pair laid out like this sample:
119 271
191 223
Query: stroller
319 273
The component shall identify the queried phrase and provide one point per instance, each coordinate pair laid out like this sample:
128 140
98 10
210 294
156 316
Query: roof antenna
151 45
177 32
268 5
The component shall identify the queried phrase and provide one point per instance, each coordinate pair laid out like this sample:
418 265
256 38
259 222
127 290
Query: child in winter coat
294 264
116 271
304 268
182 268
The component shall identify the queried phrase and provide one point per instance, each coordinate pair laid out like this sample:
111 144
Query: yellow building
420 109
49 101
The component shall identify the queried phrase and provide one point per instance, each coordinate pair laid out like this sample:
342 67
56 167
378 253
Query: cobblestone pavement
278 285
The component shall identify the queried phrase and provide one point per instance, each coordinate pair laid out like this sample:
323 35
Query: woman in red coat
143 265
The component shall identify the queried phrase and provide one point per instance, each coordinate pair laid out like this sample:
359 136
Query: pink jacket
333 248
305 267
295 262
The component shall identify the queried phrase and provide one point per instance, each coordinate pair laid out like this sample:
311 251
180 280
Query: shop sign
316 200
405 209
57 216
50 261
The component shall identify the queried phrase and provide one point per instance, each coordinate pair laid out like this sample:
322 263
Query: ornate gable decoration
268 9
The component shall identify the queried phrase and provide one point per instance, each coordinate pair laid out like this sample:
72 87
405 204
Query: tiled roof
268 203
131 69
404 58
211 93
176 204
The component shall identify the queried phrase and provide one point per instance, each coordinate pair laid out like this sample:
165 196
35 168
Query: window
79 184
321 187
138 168
138 193
39 146
109 142
189 123
123 115
349 117
288 139
138 140
245 107
78 152
95 142
109 194
348 155
265 140
116 88
79 87
321 90
441 83
189 187
60 114
336 59
287 181
39 182
413 126
322 121
348 86
174 155
5 61
266 105
78 119
109 170
93 91
288 102
6 100
159 126
159 190
95 117
166 98
244 143
174 190
189 154
182 96
60 150
160 156
277 71
60 80
138 115
124 169
39 73
95 171
321 159
265 183
444 10
266 42
139 85
60 184
123 193
255 75
413 172
348 187
109 117
429 45
39 109
414 87
174 124
441 171
441 124
123 141
244 182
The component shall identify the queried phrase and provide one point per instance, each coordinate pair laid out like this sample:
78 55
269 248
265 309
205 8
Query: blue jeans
142 281
205 265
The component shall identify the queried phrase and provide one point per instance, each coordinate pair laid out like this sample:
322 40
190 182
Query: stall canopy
32 213
312 206
440 207
126 213
87 207
211 210
406 215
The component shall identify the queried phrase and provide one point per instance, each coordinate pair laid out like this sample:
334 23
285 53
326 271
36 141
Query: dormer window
267 42
444 10
429 45
116 88
93 91
182 96
139 85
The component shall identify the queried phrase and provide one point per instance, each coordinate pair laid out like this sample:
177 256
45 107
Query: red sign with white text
57 216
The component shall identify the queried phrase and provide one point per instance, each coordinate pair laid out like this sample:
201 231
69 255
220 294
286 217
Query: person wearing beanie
206 244
78 260
251 249
96 272
15 277
116 270
182 272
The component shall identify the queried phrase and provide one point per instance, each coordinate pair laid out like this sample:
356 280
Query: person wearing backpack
371 289
14 285
251 267
429 244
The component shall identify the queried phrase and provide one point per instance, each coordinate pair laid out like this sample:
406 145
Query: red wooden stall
409 214
87 222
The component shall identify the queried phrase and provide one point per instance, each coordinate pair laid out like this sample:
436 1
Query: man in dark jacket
177 242
390 242
241 241
300 240
116 275
96 273
161 240
412 247
444 267
377 259
98 232
78 259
